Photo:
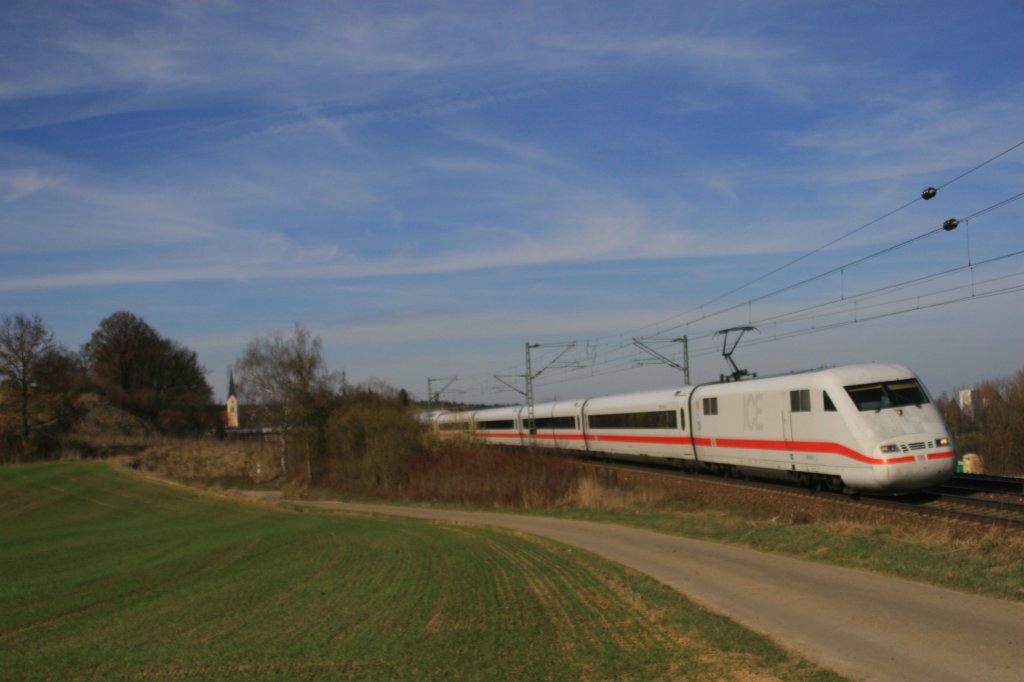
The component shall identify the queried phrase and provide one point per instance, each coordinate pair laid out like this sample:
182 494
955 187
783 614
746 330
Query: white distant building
966 401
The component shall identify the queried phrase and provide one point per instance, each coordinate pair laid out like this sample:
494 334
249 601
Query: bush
371 438
493 476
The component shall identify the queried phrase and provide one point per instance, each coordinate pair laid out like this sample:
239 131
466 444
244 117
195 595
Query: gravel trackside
860 624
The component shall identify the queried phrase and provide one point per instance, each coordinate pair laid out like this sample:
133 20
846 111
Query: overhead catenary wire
837 239
862 305
846 266
908 304
858 261
872 293
993 207
959 299
981 165
843 267
917 305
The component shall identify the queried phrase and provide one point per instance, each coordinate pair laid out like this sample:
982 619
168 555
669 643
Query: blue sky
427 186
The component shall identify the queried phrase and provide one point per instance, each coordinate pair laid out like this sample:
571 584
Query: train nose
921 469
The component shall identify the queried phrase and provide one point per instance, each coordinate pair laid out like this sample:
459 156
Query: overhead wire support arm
434 397
684 368
514 388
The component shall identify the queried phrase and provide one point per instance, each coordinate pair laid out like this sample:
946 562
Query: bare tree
285 377
24 342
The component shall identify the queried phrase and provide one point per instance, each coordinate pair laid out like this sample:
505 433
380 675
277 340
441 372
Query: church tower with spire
232 402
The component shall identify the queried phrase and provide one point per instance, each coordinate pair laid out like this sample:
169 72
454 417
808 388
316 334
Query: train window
496 424
907 392
887 394
555 422
710 406
682 419
633 420
829 405
800 401
453 426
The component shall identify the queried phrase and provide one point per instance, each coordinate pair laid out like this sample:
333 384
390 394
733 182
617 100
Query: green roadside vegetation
962 557
959 555
106 576
965 556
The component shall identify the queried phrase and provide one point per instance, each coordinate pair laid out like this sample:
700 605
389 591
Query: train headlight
942 442
887 449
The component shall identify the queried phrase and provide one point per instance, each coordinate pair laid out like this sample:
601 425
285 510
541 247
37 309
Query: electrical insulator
929 193
950 224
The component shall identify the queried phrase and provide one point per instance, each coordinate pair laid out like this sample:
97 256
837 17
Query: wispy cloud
20 183
141 56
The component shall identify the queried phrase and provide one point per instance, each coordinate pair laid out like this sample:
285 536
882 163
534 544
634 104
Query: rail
933 503
987 484
960 507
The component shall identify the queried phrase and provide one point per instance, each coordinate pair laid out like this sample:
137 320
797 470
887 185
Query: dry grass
963 537
590 492
99 419
211 460
493 477
105 431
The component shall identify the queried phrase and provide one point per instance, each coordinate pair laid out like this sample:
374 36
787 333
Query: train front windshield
880 396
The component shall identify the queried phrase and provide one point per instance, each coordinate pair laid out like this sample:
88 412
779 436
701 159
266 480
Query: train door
787 422
799 405
581 416
520 419
787 431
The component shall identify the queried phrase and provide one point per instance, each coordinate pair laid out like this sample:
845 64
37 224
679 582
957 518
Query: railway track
954 501
969 483
1007 513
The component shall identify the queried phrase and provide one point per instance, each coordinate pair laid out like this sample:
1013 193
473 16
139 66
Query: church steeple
232 402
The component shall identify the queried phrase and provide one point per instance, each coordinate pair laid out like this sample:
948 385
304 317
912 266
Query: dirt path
859 624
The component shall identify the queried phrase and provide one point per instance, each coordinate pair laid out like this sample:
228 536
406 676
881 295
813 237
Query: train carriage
648 425
500 425
556 425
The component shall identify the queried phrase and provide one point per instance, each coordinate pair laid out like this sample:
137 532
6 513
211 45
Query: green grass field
106 576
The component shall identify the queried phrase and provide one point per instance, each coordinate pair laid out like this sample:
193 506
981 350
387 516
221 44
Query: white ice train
861 428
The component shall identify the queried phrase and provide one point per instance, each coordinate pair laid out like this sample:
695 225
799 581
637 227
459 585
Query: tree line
992 425
328 429
125 360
